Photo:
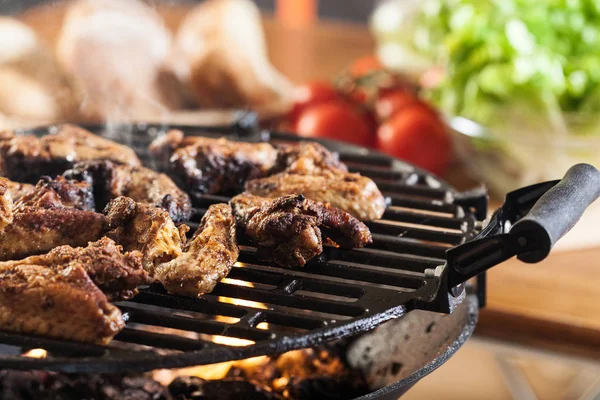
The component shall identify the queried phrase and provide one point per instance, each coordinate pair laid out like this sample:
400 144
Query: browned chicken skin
55 213
141 184
144 228
207 257
18 190
307 158
204 165
6 203
188 269
289 230
116 273
58 301
353 193
24 158
58 193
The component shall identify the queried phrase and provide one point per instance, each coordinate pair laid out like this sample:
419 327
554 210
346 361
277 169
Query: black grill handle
528 225
557 211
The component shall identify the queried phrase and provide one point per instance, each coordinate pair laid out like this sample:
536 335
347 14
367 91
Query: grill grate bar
306 303
424 219
392 188
396 229
159 297
290 282
407 246
190 324
160 340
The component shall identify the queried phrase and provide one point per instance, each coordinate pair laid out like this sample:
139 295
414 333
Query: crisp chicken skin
116 273
55 213
6 204
144 228
307 158
111 180
188 269
207 257
353 193
24 158
288 230
205 165
58 193
59 301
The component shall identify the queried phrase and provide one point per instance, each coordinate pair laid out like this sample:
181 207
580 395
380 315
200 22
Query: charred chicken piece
6 203
353 193
56 213
204 165
59 301
289 230
207 257
141 184
36 230
144 228
59 193
188 269
116 273
18 190
307 158
25 158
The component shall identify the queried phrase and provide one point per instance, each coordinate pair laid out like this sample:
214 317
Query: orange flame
36 353
220 370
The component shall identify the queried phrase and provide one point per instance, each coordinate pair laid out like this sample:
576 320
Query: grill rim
141 361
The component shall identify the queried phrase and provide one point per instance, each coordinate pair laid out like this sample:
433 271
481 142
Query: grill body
338 295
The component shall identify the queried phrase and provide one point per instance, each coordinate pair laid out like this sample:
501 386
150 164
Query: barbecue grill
430 241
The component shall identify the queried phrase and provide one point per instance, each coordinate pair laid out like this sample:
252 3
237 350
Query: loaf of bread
117 51
220 53
33 86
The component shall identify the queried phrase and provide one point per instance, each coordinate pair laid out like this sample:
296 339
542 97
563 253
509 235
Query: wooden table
554 304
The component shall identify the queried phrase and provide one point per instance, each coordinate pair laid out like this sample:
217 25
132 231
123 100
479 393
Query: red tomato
392 101
416 135
311 93
336 120
364 66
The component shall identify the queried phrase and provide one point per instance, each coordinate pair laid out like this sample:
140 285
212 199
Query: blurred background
500 93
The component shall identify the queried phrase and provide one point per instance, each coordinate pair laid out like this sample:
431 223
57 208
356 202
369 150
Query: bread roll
117 50
33 86
220 51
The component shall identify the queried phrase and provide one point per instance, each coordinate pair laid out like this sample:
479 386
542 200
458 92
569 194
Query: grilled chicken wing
289 230
188 269
207 257
116 273
58 193
6 203
141 184
25 158
58 301
307 158
37 230
55 213
145 228
353 193
18 190
204 165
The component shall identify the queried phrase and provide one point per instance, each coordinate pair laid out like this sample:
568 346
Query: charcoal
192 388
17 385
324 388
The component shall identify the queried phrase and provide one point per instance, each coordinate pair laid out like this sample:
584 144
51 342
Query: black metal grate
340 293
